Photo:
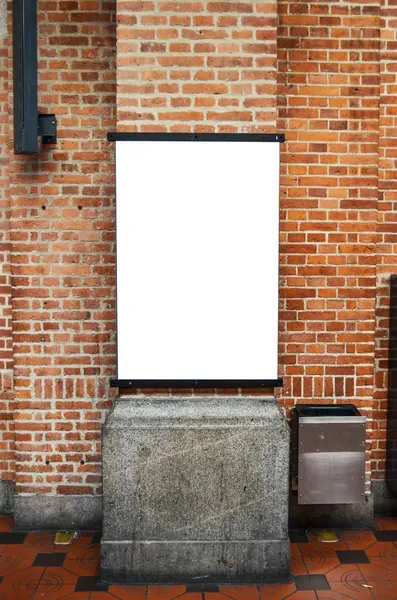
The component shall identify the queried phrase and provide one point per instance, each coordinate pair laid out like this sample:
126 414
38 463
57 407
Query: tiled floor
362 565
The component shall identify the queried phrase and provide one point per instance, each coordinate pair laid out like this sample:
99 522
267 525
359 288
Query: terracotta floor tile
58 576
343 573
2 549
371 570
317 565
380 548
191 596
378 577
92 549
383 590
78 596
357 590
14 567
15 558
241 592
21 585
83 561
46 592
314 539
318 558
24 552
386 566
101 596
86 569
40 541
384 555
326 548
9 594
129 592
6 523
357 540
276 592
298 566
304 595
386 523
163 592
331 595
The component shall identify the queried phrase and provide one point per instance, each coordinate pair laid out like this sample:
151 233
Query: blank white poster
197 260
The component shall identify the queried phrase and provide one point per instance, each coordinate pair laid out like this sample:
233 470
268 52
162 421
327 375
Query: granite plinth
195 489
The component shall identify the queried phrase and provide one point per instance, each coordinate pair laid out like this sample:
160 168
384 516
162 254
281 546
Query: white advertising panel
197 258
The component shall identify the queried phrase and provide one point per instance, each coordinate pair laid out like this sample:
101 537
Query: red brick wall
62 227
196 66
203 66
387 222
328 106
6 363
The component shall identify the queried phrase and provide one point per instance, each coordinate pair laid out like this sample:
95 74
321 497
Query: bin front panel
331 466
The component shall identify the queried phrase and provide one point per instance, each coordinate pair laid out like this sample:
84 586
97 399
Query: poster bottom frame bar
198 383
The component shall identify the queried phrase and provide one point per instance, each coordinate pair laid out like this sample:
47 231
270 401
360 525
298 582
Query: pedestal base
195 490
192 562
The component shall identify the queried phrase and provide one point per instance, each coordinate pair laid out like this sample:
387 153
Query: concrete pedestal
195 490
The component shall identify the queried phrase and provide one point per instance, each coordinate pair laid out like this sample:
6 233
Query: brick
223 7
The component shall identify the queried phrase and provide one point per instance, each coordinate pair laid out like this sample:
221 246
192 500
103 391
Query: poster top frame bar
194 137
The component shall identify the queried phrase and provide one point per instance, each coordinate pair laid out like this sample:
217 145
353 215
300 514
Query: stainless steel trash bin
330 442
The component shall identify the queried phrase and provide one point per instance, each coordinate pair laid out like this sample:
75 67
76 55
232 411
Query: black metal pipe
24 46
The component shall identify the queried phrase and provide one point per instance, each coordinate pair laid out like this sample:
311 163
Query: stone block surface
7 493
195 487
244 561
58 512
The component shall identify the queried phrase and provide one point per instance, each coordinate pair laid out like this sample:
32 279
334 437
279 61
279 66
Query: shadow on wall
391 445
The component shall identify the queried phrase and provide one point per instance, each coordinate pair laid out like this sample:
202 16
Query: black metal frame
198 383
47 128
195 137
195 383
28 124
24 48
